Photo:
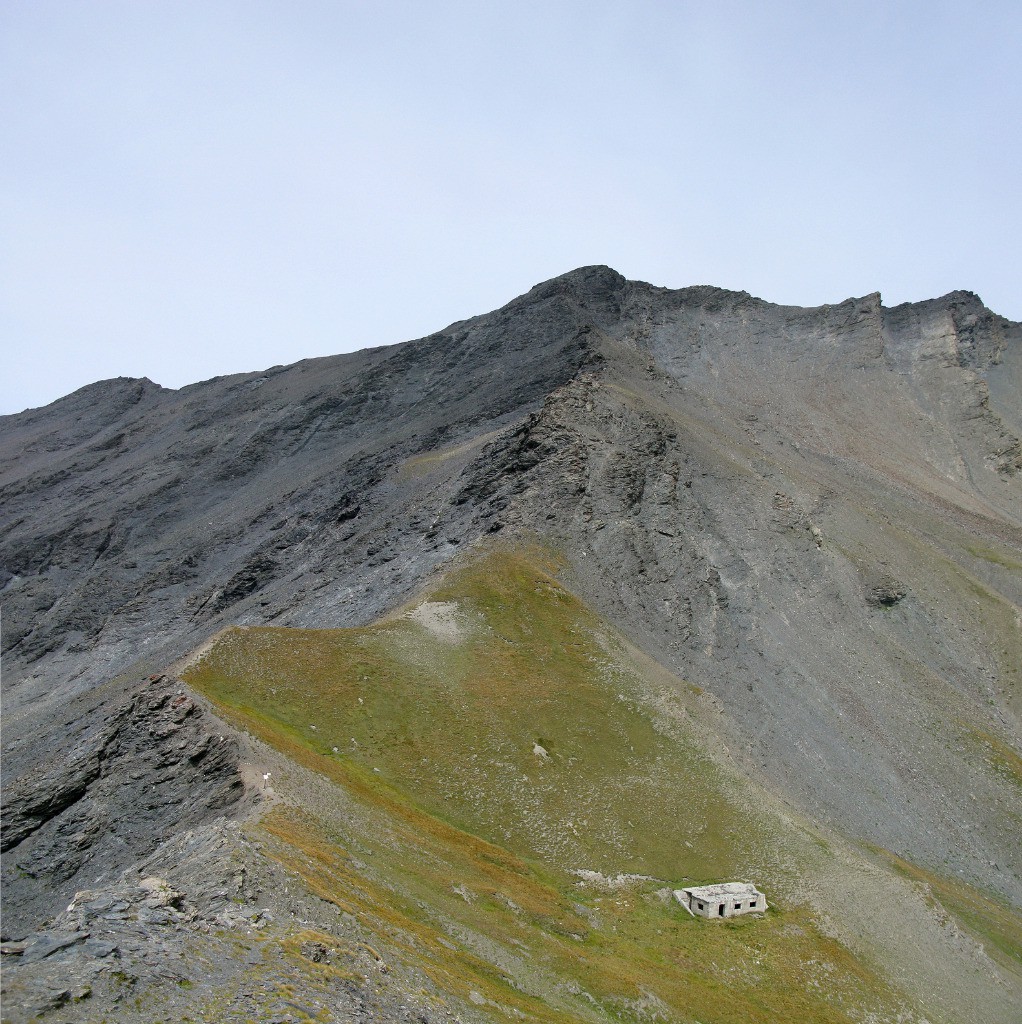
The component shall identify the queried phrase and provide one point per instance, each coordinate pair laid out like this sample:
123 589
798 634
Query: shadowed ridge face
598 290
128 496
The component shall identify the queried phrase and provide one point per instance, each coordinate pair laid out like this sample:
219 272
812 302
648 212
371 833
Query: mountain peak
804 523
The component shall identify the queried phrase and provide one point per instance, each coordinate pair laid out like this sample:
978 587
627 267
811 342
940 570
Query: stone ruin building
725 899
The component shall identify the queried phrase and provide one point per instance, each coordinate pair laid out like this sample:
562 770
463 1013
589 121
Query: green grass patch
495 738
459 723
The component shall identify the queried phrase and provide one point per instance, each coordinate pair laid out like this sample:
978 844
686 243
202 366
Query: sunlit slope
496 740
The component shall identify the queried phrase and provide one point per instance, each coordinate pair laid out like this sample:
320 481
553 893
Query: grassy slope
430 723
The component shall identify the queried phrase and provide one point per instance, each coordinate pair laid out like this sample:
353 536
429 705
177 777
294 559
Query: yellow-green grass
999 755
997 556
475 835
426 462
778 968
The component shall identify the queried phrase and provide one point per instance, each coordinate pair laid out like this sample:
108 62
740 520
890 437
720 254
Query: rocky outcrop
125 779
885 592
204 928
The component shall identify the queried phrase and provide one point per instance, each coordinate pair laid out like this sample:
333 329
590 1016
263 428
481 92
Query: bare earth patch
440 618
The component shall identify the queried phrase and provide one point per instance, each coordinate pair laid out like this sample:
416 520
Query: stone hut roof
723 890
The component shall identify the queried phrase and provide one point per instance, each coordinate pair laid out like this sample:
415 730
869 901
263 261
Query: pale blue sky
197 188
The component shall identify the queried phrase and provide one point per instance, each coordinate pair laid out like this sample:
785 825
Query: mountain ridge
813 516
539 290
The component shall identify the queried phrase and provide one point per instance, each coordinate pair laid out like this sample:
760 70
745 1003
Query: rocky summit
411 684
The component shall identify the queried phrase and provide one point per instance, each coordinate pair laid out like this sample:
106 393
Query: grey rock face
123 780
134 519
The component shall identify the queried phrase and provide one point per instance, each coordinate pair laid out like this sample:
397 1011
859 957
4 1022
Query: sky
190 189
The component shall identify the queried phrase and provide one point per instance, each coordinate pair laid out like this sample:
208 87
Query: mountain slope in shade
807 520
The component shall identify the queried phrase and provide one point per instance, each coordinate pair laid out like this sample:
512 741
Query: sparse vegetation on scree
496 739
